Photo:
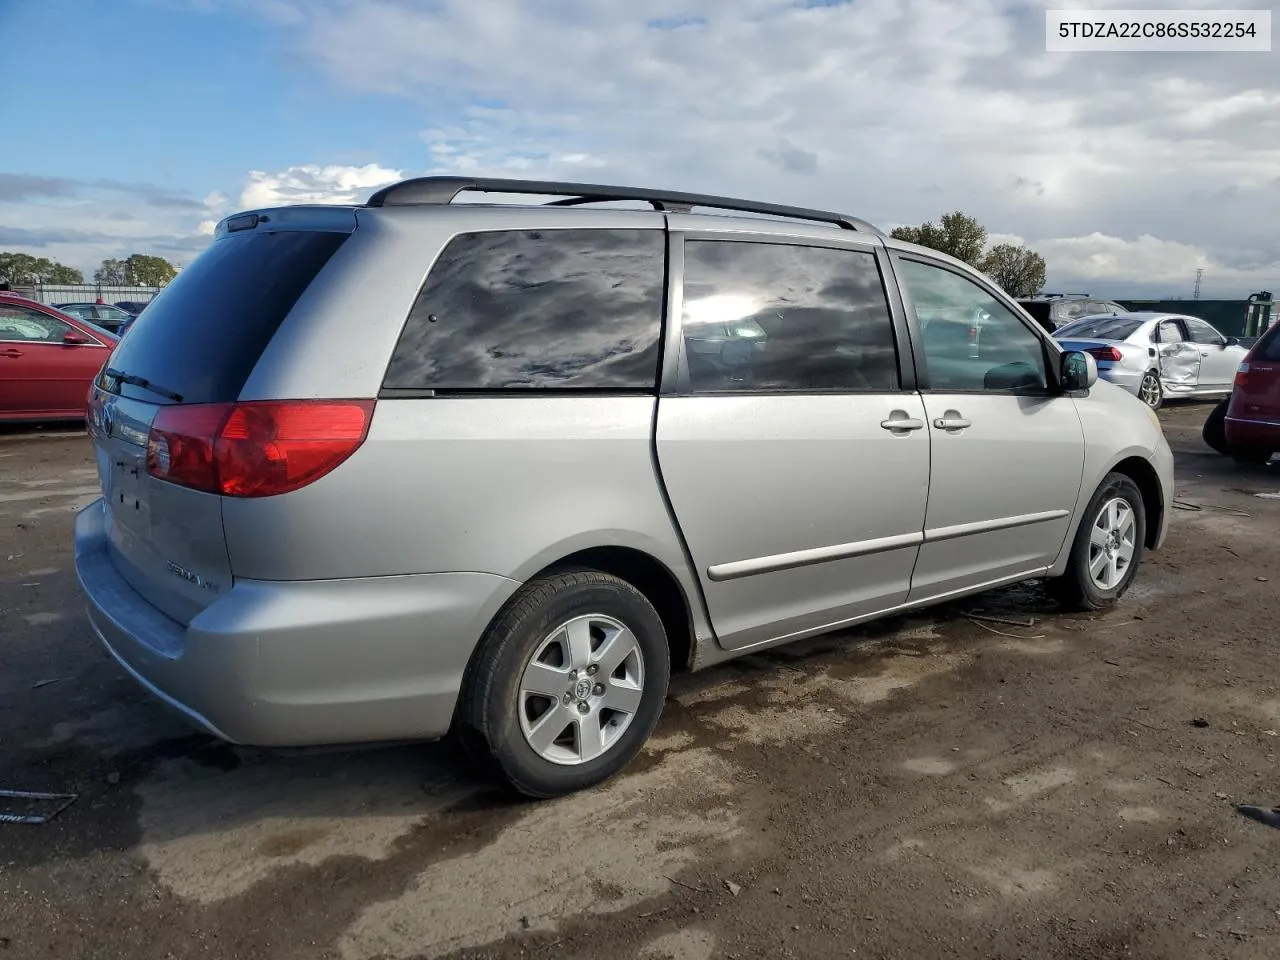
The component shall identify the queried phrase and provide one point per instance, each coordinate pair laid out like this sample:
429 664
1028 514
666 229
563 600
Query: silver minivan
388 471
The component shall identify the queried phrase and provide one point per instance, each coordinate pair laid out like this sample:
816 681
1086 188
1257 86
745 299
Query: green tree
1018 271
958 234
61 273
148 271
22 268
111 273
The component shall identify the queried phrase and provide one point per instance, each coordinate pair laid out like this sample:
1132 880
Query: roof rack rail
442 191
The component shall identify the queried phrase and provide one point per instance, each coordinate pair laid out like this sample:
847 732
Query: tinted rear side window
202 336
782 317
529 309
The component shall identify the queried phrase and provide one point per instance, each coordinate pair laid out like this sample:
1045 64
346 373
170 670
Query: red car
47 361
1246 425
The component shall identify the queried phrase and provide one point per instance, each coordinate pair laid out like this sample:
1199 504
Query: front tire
1107 548
566 684
1151 390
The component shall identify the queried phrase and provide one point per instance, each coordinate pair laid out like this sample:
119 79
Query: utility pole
1196 293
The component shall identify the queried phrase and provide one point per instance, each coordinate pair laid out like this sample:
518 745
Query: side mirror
74 338
1233 341
1078 372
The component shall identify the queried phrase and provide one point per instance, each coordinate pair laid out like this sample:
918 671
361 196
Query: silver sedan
1157 355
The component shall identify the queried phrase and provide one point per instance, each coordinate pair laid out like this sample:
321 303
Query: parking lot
990 779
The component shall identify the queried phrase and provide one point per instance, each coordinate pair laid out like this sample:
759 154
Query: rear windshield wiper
143 382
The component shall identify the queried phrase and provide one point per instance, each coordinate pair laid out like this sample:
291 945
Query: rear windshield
1100 328
202 336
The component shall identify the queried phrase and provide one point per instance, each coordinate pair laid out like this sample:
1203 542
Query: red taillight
256 449
1242 375
1106 353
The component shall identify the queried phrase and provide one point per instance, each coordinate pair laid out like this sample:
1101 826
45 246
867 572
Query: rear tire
566 684
1151 390
1215 428
1107 549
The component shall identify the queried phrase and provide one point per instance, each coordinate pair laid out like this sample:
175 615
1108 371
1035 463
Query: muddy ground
928 787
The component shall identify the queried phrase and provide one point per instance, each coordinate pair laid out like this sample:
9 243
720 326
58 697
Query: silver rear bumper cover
298 663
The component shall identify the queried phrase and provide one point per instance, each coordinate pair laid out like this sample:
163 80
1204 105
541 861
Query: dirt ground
927 787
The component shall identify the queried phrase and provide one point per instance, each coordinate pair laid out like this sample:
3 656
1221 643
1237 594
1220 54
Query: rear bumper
298 663
1254 434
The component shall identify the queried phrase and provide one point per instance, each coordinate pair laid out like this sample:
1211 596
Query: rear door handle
951 423
902 424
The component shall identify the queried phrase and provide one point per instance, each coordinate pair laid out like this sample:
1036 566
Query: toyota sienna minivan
413 467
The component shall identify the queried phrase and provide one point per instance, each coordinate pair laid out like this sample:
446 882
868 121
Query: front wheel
1151 390
567 683
1107 548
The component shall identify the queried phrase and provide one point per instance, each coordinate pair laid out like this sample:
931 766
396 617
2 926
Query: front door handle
902 423
13 354
952 422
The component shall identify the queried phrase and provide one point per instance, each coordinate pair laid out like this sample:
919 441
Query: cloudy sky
134 125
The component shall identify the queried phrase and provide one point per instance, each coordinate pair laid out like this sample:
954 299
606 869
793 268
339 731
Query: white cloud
83 222
1124 169
315 184
895 111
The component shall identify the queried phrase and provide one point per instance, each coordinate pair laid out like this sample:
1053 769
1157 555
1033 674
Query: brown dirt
929 786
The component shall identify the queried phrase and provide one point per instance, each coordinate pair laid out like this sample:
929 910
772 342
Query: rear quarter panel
500 485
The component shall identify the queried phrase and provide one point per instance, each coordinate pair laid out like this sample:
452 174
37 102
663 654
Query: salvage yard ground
932 786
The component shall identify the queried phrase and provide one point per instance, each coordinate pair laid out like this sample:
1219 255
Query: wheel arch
1144 476
652 578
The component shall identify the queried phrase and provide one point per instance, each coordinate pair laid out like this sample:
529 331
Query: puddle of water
117 730
211 833
627 837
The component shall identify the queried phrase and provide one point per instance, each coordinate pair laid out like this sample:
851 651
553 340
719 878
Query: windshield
1100 328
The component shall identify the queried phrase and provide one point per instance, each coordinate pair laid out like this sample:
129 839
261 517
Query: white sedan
1157 355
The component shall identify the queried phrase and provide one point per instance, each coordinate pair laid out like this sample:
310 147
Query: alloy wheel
1150 390
581 689
1112 543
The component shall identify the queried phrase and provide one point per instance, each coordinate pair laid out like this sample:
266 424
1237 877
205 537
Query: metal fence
52 293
